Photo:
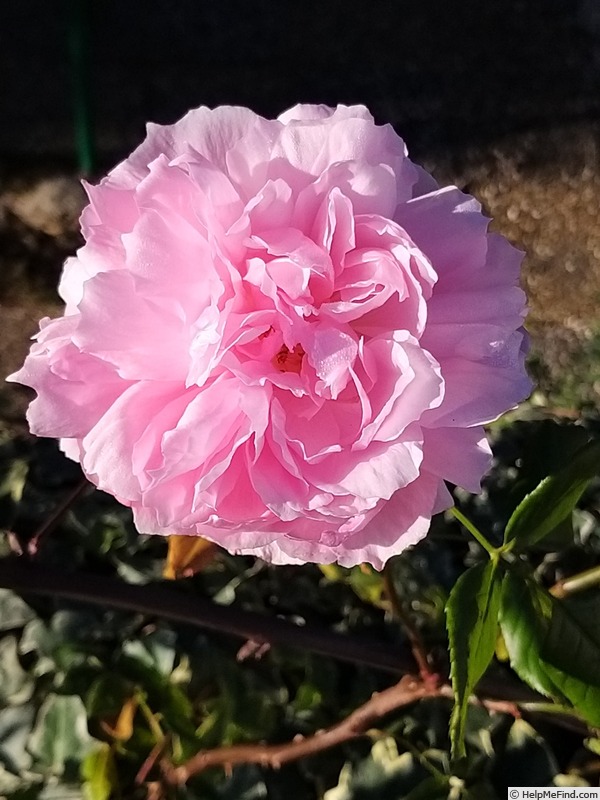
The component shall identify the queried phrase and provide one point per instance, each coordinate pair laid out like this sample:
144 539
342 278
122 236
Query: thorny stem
417 645
170 602
173 604
406 691
359 723
151 760
52 521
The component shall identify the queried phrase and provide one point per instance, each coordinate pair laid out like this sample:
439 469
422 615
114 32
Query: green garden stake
78 41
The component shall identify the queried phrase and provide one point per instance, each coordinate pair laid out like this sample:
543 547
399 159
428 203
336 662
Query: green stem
78 41
550 708
475 532
577 583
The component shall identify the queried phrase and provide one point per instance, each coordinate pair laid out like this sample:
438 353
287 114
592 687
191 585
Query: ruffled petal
281 335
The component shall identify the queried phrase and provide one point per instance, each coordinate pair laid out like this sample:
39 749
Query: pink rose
281 335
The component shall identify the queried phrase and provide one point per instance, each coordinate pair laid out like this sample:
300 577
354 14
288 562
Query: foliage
88 692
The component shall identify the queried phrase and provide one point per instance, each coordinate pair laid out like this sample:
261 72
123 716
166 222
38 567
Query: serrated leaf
571 644
61 644
551 502
188 555
524 618
472 621
14 612
60 738
99 771
549 648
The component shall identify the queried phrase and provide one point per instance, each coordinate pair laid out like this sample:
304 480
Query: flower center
287 360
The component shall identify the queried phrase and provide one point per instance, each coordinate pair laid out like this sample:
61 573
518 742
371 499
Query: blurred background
501 98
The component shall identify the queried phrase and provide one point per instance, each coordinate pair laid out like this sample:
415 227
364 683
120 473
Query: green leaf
246 783
13 482
60 645
60 738
434 788
549 647
61 791
15 726
10 784
14 612
365 582
368 584
551 502
16 686
526 757
156 650
472 621
386 774
572 644
98 770
593 744
307 697
524 617
106 695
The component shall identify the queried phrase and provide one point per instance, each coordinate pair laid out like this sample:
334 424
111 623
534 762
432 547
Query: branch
52 521
172 603
169 602
359 723
408 690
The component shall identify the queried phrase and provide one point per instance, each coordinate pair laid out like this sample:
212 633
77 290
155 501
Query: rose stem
50 523
173 604
417 645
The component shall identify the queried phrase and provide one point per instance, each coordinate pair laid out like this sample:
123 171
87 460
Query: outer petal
399 523
212 133
304 112
478 392
74 388
458 455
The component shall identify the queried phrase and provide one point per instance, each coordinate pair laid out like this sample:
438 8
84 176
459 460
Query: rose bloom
281 335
